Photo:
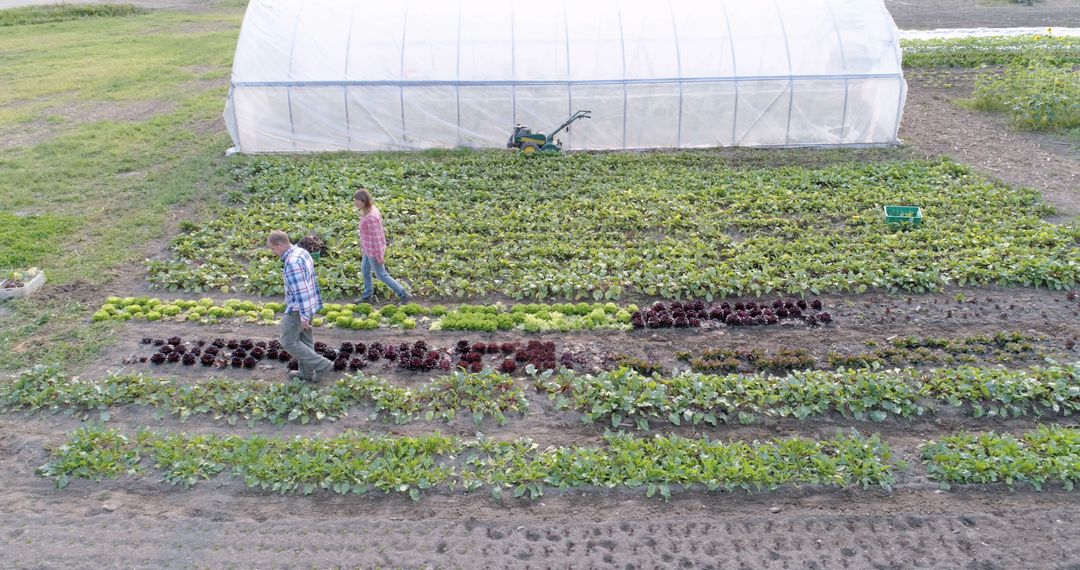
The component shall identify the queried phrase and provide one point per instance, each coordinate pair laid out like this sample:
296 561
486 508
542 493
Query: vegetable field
722 358
673 226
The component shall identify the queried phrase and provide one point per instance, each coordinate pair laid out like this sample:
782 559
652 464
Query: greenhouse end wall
331 75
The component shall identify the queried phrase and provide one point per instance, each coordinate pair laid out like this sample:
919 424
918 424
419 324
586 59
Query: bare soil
933 14
222 524
935 125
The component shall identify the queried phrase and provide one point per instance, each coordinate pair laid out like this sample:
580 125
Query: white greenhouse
368 75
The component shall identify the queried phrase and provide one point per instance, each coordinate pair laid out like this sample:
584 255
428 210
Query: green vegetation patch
64 12
918 351
26 240
1038 96
863 394
486 394
1048 454
675 225
93 453
357 463
978 52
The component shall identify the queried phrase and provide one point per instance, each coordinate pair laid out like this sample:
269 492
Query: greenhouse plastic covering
366 75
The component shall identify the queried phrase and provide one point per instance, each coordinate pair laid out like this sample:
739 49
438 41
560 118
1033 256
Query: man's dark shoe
295 375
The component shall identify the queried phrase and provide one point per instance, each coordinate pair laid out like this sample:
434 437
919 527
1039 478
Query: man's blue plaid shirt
302 294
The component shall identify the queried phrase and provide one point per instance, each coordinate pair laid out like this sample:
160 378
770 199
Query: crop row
1048 454
862 394
356 463
531 317
418 356
603 226
615 397
486 394
978 52
903 351
363 316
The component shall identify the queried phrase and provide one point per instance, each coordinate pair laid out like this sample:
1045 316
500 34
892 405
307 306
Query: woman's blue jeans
369 266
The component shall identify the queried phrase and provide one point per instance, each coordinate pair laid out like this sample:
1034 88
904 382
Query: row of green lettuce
606 226
623 395
357 463
528 317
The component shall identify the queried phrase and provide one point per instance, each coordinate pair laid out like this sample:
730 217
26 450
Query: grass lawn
108 125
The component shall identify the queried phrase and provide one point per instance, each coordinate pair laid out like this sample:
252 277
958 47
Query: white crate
27 289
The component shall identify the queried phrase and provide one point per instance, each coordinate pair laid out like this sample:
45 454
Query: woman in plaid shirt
373 243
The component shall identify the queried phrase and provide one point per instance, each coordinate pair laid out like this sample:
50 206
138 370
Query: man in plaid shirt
303 300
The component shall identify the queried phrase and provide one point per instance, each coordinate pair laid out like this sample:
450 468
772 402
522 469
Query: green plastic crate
903 215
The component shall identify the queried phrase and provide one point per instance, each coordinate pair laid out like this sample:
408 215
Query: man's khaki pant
301 344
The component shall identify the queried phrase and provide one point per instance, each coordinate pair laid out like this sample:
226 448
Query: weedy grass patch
96 182
112 177
1038 96
29 15
26 239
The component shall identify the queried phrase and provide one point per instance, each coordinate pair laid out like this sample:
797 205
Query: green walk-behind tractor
529 142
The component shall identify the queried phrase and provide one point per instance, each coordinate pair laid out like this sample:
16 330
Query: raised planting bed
357 463
531 318
1049 454
861 394
418 356
479 396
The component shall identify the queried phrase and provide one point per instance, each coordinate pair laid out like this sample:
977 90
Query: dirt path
907 530
931 14
934 125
